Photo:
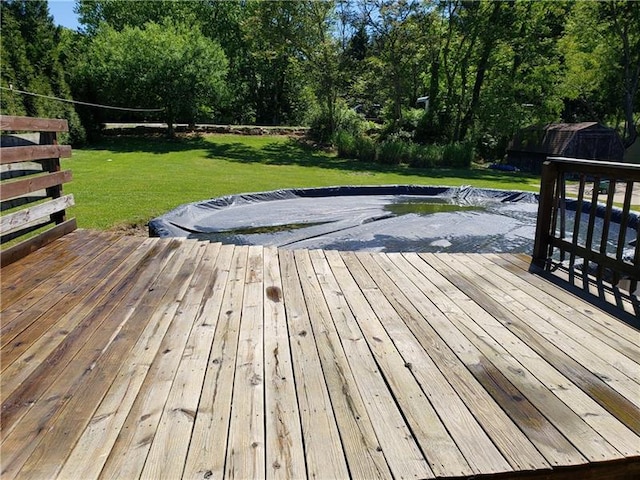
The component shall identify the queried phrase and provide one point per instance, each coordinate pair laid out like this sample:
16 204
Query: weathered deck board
452 353
130 358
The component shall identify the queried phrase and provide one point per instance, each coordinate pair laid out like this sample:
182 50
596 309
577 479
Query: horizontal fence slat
23 249
23 217
37 225
33 184
617 170
24 124
597 257
33 152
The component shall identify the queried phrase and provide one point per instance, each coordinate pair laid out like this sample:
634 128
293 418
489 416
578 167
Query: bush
457 155
394 151
345 143
426 156
365 148
398 149
411 118
344 119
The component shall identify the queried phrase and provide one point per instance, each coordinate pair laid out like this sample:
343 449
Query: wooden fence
33 205
588 236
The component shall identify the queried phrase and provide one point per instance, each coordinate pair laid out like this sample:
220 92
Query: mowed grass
125 181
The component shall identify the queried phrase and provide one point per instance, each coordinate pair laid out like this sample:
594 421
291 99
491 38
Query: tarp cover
378 218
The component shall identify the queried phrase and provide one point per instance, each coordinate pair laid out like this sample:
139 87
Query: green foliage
394 151
399 150
272 48
365 148
601 47
170 66
489 67
345 143
31 61
324 123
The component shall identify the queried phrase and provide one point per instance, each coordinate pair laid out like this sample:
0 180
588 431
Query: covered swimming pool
398 218
374 218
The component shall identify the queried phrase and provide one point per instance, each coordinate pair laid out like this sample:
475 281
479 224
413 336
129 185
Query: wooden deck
125 357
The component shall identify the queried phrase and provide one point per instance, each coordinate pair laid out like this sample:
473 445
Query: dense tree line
32 53
487 67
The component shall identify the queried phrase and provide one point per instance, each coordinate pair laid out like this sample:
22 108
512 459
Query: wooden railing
595 239
33 206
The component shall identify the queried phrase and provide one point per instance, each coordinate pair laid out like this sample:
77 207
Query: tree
169 66
30 55
602 51
524 70
398 35
624 20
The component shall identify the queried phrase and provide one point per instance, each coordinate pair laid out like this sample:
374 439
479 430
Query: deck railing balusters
597 258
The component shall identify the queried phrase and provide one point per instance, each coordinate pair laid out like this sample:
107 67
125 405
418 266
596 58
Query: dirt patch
131 229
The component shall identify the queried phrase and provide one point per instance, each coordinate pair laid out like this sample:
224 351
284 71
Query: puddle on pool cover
287 227
428 207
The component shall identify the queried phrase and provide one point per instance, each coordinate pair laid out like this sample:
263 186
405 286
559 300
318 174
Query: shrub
344 119
345 143
411 118
365 148
426 156
457 155
394 151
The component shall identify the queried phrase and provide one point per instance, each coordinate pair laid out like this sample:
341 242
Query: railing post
52 165
545 213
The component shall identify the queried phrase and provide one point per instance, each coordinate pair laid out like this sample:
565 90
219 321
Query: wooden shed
587 140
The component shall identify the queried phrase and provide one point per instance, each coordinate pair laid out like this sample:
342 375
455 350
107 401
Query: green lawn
130 180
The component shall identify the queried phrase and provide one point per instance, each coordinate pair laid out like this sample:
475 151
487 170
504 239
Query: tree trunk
433 90
483 65
170 121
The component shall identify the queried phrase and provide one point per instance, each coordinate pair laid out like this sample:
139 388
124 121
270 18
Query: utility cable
83 103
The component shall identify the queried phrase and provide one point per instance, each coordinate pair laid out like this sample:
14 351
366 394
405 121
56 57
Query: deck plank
246 449
615 370
440 450
24 381
400 449
323 454
70 378
592 430
210 433
362 449
582 344
476 446
452 353
129 452
32 321
168 451
582 311
21 277
157 358
284 449
57 444
101 433
594 398
463 313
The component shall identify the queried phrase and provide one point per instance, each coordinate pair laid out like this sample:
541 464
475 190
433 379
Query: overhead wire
77 102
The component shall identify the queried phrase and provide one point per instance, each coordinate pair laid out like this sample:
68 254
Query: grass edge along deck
158 358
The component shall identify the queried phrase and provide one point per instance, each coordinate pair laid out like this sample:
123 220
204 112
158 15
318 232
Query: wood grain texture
33 184
30 124
154 358
33 153
25 216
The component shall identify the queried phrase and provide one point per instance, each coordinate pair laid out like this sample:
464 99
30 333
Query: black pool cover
378 218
